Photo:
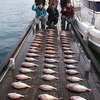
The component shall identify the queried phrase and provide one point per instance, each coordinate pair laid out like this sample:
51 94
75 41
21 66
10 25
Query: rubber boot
67 27
37 26
42 26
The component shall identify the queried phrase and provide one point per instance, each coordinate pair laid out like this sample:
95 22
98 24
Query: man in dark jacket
40 1
53 14
67 14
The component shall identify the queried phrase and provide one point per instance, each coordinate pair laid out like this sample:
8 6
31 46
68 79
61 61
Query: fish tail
60 98
35 70
25 96
32 86
84 79
33 78
92 90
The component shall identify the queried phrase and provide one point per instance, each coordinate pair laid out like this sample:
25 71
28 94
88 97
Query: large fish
51 56
78 88
23 77
33 51
29 59
51 52
68 56
49 77
75 79
47 87
20 85
69 52
51 61
26 70
77 98
47 97
32 55
28 64
70 61
16 96
50 66
72 72
49 71
71 67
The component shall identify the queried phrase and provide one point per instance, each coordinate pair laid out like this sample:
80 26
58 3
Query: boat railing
10 58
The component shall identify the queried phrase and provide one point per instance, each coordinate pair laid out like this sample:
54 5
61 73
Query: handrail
87 50
6 61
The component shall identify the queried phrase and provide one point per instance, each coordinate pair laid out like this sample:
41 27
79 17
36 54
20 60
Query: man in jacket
40 15
53 14
67 14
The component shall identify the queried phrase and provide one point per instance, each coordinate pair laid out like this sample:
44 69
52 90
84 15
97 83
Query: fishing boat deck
92 79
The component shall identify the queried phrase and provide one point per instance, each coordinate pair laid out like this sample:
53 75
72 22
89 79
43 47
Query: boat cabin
91 12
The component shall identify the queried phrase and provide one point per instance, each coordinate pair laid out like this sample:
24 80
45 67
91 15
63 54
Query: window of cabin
94 5
85 3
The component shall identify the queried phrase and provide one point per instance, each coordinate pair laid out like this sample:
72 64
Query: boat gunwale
5 62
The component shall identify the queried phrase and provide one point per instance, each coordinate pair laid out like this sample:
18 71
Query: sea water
15 16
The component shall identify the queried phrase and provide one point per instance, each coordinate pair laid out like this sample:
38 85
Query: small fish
23 77
65 42
39 42
38 39
51 61
47 97
26 70
49 71
33 51
50 45
69 52
65 45
78 88
16 96
20 85
39 34
32 55
50 66
77 98
28 64
51 48
35 44
75 79
30 59
66 48
49 42
47 87
51 52
71 67
36 48
72 72
70 61
49 77
51 56
68 56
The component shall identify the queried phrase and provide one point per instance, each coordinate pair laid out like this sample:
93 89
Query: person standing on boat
53 14
40 15
39 1
67 15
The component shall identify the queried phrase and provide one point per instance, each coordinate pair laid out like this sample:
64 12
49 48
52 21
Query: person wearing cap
40 1
67 15
40 15
53 14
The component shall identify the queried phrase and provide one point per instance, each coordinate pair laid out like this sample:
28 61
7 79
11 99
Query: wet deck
92 79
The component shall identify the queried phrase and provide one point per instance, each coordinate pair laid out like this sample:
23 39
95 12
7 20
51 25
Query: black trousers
55 20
